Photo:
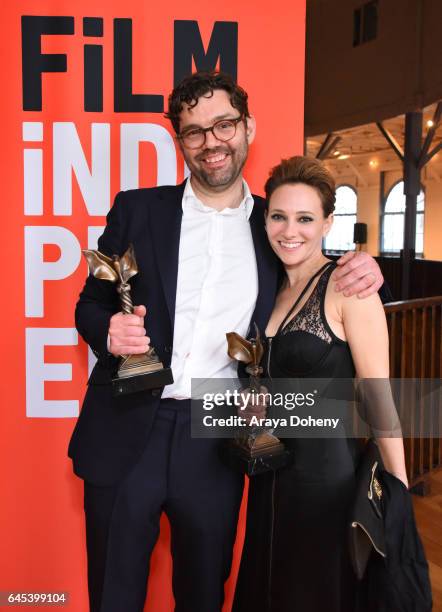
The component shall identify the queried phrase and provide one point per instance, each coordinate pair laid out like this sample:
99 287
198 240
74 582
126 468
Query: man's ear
250 129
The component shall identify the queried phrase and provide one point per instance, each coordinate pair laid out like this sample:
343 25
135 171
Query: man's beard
226 177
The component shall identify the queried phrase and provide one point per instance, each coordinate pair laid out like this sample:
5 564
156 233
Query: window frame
355 214
397 254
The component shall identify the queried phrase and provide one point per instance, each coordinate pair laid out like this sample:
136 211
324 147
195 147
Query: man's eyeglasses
223 130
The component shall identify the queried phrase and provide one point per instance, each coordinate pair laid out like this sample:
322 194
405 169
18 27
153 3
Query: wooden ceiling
369 152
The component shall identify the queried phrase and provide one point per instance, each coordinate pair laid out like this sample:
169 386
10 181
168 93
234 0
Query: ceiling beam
391 141
430 134
328 146
334 143
325 144
431 154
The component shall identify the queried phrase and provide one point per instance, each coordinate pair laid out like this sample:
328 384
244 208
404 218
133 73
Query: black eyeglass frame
204 131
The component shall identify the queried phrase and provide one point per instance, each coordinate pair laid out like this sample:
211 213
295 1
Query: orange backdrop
61 167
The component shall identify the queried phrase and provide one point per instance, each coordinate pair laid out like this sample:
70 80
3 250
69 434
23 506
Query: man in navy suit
205 268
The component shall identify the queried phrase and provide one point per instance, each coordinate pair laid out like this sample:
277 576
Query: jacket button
167 349
156 392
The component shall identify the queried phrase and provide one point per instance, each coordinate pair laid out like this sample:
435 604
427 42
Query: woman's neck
304 270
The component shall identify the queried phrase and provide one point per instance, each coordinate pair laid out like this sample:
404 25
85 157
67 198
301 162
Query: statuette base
266 453
140 373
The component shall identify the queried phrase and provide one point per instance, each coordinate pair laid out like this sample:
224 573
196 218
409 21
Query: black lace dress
295 556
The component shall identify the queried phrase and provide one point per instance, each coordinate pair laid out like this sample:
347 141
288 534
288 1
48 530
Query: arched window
392 223
340 237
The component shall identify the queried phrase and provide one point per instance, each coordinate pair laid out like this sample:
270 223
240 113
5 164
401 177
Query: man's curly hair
199 84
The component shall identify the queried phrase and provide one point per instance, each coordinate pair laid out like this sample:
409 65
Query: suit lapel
268 268
166 220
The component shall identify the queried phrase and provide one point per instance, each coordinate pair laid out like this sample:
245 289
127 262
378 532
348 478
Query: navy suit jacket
112 432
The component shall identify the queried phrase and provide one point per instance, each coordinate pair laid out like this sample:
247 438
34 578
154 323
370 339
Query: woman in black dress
295 556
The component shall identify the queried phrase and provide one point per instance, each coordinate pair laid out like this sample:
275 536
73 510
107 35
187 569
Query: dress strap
324 281
303 292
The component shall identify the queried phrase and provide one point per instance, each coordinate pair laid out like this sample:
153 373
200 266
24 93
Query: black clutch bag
366 520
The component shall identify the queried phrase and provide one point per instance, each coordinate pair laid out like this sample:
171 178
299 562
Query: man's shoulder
259 200
259 204
149 194
137 201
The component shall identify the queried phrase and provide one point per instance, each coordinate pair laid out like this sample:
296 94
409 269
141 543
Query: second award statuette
135 372
259 450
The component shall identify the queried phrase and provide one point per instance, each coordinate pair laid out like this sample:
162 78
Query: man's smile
213 159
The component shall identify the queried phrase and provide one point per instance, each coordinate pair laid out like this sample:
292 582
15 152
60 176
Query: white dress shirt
217 287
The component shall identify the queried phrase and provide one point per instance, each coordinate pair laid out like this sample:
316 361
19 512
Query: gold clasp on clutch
376 487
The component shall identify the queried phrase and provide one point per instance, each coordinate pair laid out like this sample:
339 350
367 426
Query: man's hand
358 273
127 335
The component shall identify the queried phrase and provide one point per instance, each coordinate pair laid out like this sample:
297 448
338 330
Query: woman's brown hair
307 171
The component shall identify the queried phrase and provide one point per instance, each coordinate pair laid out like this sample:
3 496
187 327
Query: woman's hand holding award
256 450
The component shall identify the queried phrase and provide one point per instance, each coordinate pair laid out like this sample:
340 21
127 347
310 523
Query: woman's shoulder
354 313
344 302
353 303
340 309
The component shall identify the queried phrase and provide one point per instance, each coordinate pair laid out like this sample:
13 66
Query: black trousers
186 479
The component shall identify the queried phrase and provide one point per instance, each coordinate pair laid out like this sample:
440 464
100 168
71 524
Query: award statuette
259 450
135 372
